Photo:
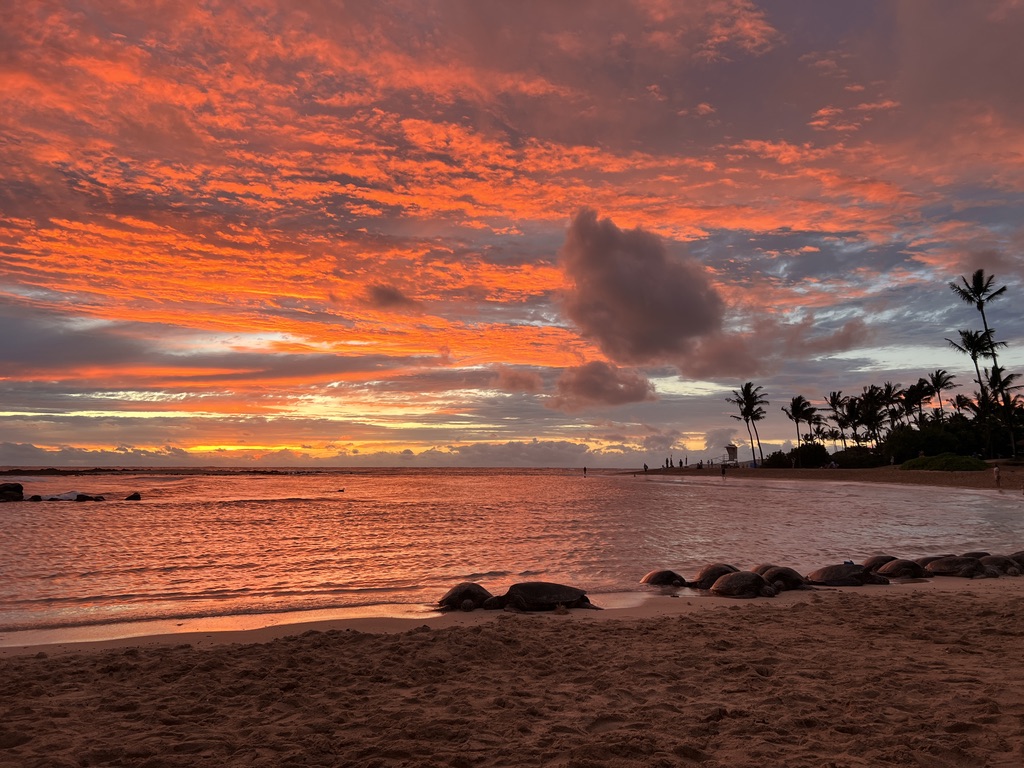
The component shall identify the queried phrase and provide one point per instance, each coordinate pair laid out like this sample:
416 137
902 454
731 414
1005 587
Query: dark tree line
888 422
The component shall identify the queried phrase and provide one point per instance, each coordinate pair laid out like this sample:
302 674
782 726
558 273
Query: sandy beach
1010 478
923 674
928 673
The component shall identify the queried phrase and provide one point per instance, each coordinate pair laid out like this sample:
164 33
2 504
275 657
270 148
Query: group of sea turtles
525 596
767 580
724 580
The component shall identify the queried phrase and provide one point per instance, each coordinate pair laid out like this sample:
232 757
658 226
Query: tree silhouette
749 401
800 410
979 292
976 345
940 381
836 403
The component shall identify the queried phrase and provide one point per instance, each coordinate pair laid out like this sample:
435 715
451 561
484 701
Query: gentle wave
200 545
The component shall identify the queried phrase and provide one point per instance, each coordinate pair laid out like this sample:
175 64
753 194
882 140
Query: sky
476 233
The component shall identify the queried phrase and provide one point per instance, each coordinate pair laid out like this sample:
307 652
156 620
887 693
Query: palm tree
852 413
1002 384
979 292
749 401
963 403
976 345
799 410
833 434
820 432
914 398
836 403
939 381
872 411
894 400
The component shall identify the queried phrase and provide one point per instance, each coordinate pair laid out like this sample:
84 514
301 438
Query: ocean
243 547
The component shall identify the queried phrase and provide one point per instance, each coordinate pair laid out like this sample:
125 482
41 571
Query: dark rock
12 492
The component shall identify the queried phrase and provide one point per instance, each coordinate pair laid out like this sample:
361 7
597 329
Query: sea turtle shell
783 578
903 569
923 561
663 579
844 575
540 596
465 596
742 584
876 562
1007 566
965 567
709 574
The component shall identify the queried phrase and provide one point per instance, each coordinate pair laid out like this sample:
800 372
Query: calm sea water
202 545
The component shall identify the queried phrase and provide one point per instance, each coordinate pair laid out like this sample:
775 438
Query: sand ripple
845 678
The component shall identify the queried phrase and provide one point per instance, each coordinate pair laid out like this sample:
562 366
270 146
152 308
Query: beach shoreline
276 624
1010 477
915 674
645 604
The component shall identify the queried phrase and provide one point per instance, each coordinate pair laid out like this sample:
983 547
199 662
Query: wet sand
923 674
1011 477
920 674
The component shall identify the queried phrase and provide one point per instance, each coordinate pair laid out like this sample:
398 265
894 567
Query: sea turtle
540 596
1006 566
709 574
783 578
844 575
663 579
1019 557
464 596
877 561
903 569
965 567
976 555
760 569
923 561
742 584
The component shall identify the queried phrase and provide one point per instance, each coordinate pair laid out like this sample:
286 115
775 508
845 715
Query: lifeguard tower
731 456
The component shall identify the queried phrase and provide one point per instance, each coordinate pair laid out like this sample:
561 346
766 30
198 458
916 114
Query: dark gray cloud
39 338
599 383
771 346
389 297
633 299
518 380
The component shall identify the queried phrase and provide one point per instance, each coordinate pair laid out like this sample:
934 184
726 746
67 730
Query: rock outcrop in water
12 492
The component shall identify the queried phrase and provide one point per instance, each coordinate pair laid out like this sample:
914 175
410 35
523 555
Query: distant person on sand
645 467
584 471
995 473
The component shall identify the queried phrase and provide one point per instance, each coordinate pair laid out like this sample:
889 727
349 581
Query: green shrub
946 462
811 456
777 460
859 457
